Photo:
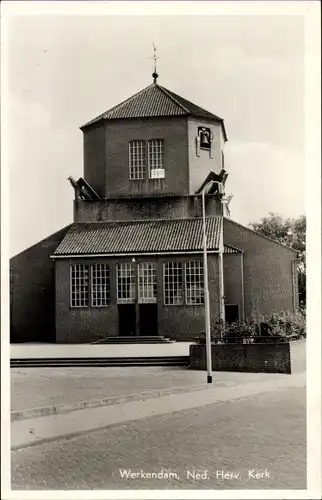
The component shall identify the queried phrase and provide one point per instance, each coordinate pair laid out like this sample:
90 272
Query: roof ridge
193 104
155 101
117 106
129 99
67 228
168 94
260 234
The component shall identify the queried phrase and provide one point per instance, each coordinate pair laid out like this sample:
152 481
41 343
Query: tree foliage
290 232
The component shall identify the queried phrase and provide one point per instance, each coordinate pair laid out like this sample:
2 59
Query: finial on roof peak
155 57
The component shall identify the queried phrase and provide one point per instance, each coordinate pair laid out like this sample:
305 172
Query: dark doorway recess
127 320
148 319
231 313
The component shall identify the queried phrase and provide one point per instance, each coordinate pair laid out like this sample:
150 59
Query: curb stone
28 433
94 403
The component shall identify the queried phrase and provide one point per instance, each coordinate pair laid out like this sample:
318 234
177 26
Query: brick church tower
131 263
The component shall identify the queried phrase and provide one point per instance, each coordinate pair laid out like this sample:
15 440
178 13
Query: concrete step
157 339
83 362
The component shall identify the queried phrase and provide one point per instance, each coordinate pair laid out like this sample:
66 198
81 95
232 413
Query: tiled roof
229 221
154 101
175 235
230 249
193 109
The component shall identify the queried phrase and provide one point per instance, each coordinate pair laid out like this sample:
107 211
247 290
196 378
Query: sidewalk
33 431
98 350
56 387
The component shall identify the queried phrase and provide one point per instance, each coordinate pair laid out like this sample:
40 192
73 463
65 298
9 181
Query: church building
131 262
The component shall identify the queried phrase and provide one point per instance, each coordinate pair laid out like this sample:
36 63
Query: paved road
263 434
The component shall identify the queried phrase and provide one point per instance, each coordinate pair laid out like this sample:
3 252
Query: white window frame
125 270
156 158
137 159
79 286
147 283
194 278
100 285
177 288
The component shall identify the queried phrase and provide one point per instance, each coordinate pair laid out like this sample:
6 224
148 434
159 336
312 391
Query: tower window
137 159
156 158
205 137
79 285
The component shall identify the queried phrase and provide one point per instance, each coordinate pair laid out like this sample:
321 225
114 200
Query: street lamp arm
211 183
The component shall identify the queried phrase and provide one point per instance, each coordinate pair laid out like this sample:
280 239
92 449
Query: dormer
153 144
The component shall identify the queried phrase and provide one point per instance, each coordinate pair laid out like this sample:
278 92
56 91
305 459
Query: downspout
242 286
221 277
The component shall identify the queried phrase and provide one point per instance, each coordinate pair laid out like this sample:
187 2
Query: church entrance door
148 319
127 320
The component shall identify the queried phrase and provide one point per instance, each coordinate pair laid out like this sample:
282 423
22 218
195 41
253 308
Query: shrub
238 332
287 324
280 327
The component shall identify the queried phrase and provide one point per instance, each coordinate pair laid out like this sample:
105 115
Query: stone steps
99 362
157 339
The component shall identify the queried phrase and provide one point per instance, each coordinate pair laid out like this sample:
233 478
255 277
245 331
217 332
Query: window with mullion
79 285
147 279
100 285
125 283
173 283
137 159
155 154
194 282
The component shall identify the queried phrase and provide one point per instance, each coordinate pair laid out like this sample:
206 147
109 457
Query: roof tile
148 236
154 101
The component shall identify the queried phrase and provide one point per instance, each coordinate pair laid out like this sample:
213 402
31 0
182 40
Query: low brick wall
267 358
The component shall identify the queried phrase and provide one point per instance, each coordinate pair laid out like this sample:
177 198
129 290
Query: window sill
146 179
77 308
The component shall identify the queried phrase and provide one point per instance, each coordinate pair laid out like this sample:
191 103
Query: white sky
64 70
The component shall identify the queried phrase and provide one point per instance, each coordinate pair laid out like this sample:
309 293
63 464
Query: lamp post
206 289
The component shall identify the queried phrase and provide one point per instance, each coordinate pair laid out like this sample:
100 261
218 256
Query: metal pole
221 282
206 293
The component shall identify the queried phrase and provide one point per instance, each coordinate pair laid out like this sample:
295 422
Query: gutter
129 254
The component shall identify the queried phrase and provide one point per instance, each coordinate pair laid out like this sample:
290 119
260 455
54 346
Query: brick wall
88 324
233 282
33 292
94 141
267 358
82 324
200 166
106 156
151 208
268 285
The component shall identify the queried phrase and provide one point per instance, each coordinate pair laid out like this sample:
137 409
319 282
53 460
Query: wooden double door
138 319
